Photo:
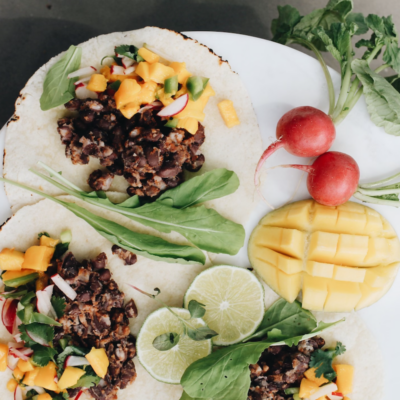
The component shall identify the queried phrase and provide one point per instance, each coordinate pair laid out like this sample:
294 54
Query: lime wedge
234 300
168 366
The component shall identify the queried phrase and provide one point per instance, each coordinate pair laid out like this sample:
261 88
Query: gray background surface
32 31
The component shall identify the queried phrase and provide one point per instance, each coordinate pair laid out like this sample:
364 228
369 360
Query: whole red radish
304 132
332 178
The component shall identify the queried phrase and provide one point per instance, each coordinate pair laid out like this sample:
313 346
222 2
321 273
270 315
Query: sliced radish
37 338
154 105
23 354
79 395
117 70
325 390
18 393
17 338
127 62
335 396
64 286
82 92
9 314
43 302
38 389
56 379
13 345
74 361
82 72
175 107
12 361
129 70
83 80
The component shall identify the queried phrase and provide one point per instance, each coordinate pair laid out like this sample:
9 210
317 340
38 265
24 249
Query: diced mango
370 295
315 292
374 224
3 357
147 93
307 388
99 361
323 270
180 69
190 124
192 110
351 250
342 296
323 246
18 374
45 377
143 70
228 113
165 99
48 241
351 222
289 285
126 93
44 396
130 110
25 366
324 218
310 375
70 377
38 258
148 55
159 72
380 276
351 274
12 385
97 83
268 273
344 381
29 378
11 260
11 275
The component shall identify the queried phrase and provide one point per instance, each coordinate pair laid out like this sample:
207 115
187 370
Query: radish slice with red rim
17 338
9 314
175 107
83 80
12 361
13 345
75 361
23 353
82 72
37 338
79 395
129 70
18 393
117 70
127 62
82 92
64 286
43 302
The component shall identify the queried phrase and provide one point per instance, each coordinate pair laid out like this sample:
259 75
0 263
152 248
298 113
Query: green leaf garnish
42 331
42 355
43 234
166 341
196 309
59 305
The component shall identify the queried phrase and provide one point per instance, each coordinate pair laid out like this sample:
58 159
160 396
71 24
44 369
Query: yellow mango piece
97 83
370 295
70 377
44 396
106 72
99 361
289 285
126 93
45 377
310 375
12 385
11 260
143 70
315 292
350 221
38 258
181 71
344 381
3 357
147 92
268 273
29 378
380 276
228 113
374 223
159 72
148 55
351 250
388 230
130 110
18 374
323 270
165 99
25 366
324 218
342 296
192 110
190 124
351 274
9 275
48 241
42 281
307 388
323 246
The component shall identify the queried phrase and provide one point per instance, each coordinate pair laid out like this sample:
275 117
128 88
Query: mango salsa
99 361
342 258
228 113
18 278
45 377
344 381
159 72
127 93
38 258
44 396
148 55
190 124
25 366
181 71
97 83
70 377
18 374
310 375
12 385
29 378
307 388
11 260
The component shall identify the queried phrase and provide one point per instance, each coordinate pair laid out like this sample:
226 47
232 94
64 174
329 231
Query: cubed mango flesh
228 113
29 378
130 110
143 70
18 374
307 388
70 377
44 396
12 385
11 260
159 72
38 258
3 357
48 241
99 361
345 266
148 55
25 366
344 380
165 99
147 92
310 375
126 93
45 377
97 83
181 71
190 124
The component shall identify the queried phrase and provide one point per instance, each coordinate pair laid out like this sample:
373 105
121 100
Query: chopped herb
43 234
166 341
115 85
59 305
129 51
42 355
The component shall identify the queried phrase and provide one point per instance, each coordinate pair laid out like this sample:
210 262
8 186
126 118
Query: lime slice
234 300
168 366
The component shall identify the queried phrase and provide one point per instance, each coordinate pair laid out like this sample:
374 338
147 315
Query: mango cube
323 246
12 385
307 388
3 357
11 260
70 377
159 72
351 250
190 124
106 71
181 71
18 374
310 375
268 273
38 258
45 377
315 292
25 366
143 70
126 93
48 241
97 83
344 381
148 55
228 113
130 110
350 221
147 92
44 396
349 274
99 361
29 378
342 296
323 270
289 285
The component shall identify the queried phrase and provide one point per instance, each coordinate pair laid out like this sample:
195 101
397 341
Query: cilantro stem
374 200
328 77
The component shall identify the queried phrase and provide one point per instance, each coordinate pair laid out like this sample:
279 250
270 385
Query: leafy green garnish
60 250
43 234
59 305
24 336
27 298
14 295
57 88
42 355
322 360
115 85
71 351
196 309
42 331
129 51
166 341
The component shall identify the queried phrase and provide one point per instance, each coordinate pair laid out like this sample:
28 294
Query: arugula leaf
57 88
210 376
44 332
383 101
290 318
42 355
59 305
196 309
166 341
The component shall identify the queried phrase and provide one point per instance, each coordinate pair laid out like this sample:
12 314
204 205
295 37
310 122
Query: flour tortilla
173 279
32 133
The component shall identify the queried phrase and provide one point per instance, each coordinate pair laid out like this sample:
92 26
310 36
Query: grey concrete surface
32 31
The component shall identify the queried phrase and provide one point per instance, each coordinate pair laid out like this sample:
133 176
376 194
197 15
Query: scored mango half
342 258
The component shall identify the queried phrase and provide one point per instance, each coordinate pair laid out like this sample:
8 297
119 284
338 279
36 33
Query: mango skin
99 361
70 377
11 260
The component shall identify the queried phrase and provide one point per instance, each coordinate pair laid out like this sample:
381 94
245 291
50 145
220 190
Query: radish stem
381 182
374 200
267 153
378 192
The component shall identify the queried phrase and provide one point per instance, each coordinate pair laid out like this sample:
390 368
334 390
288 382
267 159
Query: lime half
168 366
234 300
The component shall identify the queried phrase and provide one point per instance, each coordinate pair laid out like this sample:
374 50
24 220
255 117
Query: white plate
279 78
